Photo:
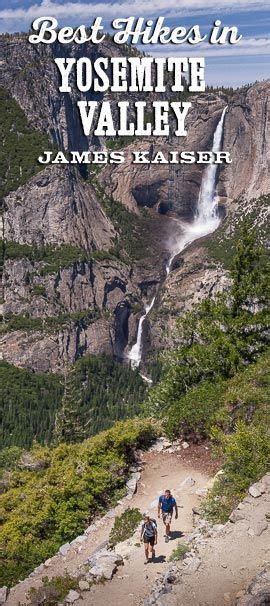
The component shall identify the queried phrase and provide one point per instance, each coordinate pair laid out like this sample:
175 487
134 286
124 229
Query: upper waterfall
205 221
207 201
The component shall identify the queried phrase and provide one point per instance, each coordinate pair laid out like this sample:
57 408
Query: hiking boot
146 561
167 539
153 555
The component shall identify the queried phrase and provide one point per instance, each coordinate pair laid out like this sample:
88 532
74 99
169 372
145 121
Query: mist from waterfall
206 220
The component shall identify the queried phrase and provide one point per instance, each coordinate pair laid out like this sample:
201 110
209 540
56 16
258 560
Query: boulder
28 461
237 515
84 585
72 596
191 565
131 486
104 569
3 594
135 476
104 564
185 445
266 482
257 528
64 549
256 490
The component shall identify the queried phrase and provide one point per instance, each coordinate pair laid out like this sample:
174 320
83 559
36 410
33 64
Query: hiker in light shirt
149 536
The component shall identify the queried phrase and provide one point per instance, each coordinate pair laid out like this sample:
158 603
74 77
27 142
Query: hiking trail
217 573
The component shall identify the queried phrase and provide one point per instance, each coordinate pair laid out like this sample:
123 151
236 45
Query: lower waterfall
206 220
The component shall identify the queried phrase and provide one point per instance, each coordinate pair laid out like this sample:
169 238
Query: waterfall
205 221
207 202
135 353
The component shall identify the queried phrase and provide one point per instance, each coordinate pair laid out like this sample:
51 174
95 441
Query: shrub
52 591
179 552
125 525
44 508
193 415
246 459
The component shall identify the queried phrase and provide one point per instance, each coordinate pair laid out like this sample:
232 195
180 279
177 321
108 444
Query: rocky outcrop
246 137
29 73
56 207
50 351
84 286
193 277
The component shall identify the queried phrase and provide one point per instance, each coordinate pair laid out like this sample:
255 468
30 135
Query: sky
228 65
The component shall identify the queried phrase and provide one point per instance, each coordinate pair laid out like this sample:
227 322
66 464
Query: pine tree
248 276
69 425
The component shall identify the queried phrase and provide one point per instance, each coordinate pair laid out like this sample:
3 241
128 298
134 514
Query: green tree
216 340
247 274
69 427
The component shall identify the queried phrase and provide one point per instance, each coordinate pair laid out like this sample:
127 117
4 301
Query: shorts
167 517
150 540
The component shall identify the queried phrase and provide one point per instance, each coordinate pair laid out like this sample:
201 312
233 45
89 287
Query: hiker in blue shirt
166 505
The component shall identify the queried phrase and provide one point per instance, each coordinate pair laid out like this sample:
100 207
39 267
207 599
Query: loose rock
64 549
104 564
236 515
131 486
3 594
84 585
72 596
257 529
256 490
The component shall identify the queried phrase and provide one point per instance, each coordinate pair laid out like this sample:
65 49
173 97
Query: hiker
149 536
166 504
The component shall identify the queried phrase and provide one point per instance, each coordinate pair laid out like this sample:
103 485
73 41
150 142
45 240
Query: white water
135 353
206 220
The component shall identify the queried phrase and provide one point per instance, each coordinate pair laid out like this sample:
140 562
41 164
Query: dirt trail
133 581
231 557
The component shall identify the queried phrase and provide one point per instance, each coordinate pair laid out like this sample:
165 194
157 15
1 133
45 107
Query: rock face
193 277
50 352
28 71
167 186
246 136
55 207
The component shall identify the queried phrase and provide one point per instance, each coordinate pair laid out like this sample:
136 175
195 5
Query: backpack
153 524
